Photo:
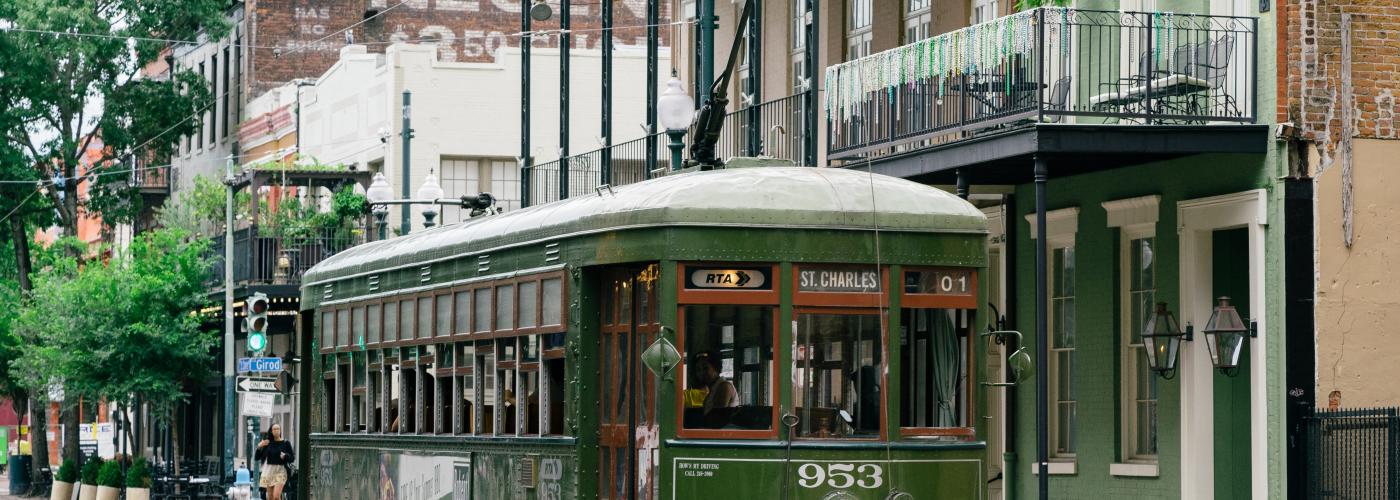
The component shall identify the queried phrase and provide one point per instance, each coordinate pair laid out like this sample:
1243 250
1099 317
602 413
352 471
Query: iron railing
266 255
1353 454
1047 65
771 129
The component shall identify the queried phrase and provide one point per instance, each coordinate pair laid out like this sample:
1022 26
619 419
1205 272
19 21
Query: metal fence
266 255
771 129
1048 65
1353 454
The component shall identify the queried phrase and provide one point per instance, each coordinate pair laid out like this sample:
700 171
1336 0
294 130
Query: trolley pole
404 223
606 169
564 41
230 414
1042 340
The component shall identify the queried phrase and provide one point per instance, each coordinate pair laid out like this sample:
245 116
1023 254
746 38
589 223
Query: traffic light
256 323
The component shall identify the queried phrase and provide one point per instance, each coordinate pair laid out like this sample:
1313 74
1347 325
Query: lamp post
675 110
1161 337
430 190
379 192
1225 336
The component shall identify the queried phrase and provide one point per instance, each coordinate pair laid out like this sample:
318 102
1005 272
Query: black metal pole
962 184
653 40
525 160
407 135
1008 256
606 168
1042 339
705 74
564 41
754 118
809 98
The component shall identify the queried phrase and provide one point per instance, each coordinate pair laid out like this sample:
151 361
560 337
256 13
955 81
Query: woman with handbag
275 454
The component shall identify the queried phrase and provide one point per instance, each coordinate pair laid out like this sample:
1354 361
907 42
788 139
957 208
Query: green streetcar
767 332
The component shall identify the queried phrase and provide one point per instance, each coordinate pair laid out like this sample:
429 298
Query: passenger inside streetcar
729 368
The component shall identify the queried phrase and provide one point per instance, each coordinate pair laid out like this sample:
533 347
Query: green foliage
123 328
110 475
300 224
90 470
303 163
348 204
68 471
209 201
58 90
139 475
1031 4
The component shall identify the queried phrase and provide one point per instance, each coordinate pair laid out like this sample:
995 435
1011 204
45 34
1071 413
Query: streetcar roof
766 197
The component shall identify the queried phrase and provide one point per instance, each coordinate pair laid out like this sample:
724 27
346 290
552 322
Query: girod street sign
257 384
246 365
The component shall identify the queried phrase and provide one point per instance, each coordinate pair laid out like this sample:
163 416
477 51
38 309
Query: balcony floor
1007 157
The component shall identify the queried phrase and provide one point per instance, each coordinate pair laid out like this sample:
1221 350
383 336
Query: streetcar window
552 301
464 311
427 407
482 310
838 379
729 370
444 316
327 329
425 317
505 307
933 369
408 399
529 305
357 325
486 387
375 392
374 324
358 392
342 378
529 388
342 327
328 393
391 321
554 396
406 316
464 390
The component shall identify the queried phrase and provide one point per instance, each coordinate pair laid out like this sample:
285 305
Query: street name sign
246 365
256 384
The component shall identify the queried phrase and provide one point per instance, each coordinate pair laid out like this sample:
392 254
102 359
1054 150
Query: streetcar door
629 437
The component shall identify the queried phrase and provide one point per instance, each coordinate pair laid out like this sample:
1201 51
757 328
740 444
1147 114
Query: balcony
767 129
1050 81
269 255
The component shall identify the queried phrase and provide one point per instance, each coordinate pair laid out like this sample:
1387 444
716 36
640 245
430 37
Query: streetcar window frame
825 302
770 298
964 309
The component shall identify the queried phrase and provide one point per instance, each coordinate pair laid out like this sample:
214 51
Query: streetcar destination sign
741 278
840 279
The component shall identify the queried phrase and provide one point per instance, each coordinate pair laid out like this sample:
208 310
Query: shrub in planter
109 480
138 480
88 491
63 481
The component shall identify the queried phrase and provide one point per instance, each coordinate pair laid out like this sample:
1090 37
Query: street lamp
674 111
1161 337
1225 336
431 191
379 192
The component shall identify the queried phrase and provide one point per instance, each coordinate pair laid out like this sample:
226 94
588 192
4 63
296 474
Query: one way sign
257 384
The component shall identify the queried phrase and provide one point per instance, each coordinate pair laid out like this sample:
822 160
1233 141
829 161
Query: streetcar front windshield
839 361
729 376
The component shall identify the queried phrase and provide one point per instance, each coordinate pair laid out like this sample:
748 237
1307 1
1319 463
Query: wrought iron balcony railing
767 129
1046 65
265 255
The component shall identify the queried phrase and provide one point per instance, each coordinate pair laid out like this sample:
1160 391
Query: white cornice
1132 211
1057 222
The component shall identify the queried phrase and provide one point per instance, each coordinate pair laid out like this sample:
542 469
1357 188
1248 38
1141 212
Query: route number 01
840 476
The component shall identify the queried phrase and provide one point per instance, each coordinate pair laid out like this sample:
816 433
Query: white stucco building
465 116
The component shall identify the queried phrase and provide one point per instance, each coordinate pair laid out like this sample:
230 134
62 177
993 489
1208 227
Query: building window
918 20
213 76
224 97
470 177
984 10
1062 330
859 14
1139 382
839 364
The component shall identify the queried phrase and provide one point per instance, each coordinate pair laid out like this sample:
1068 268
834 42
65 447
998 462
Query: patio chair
1213 73
1057 100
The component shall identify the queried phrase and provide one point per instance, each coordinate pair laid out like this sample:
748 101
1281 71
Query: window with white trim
1139 383
1060 227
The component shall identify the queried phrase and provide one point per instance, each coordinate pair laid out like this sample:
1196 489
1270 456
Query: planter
138 494
61 491
108 493
87 492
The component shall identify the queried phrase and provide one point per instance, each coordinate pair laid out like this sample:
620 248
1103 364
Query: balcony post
606 168
653 40
1042 340
564 42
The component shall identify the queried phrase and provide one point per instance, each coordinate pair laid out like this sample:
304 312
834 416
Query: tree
68 91
121 329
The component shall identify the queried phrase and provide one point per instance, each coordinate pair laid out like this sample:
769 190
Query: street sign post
271 365
257 384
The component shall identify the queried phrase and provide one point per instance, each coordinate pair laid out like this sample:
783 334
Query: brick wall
298 38
1322 56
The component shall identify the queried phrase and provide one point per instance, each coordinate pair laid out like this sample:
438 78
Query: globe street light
674 111
379 192
431 192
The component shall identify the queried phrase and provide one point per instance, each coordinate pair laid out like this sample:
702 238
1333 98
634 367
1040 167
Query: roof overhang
1008 157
